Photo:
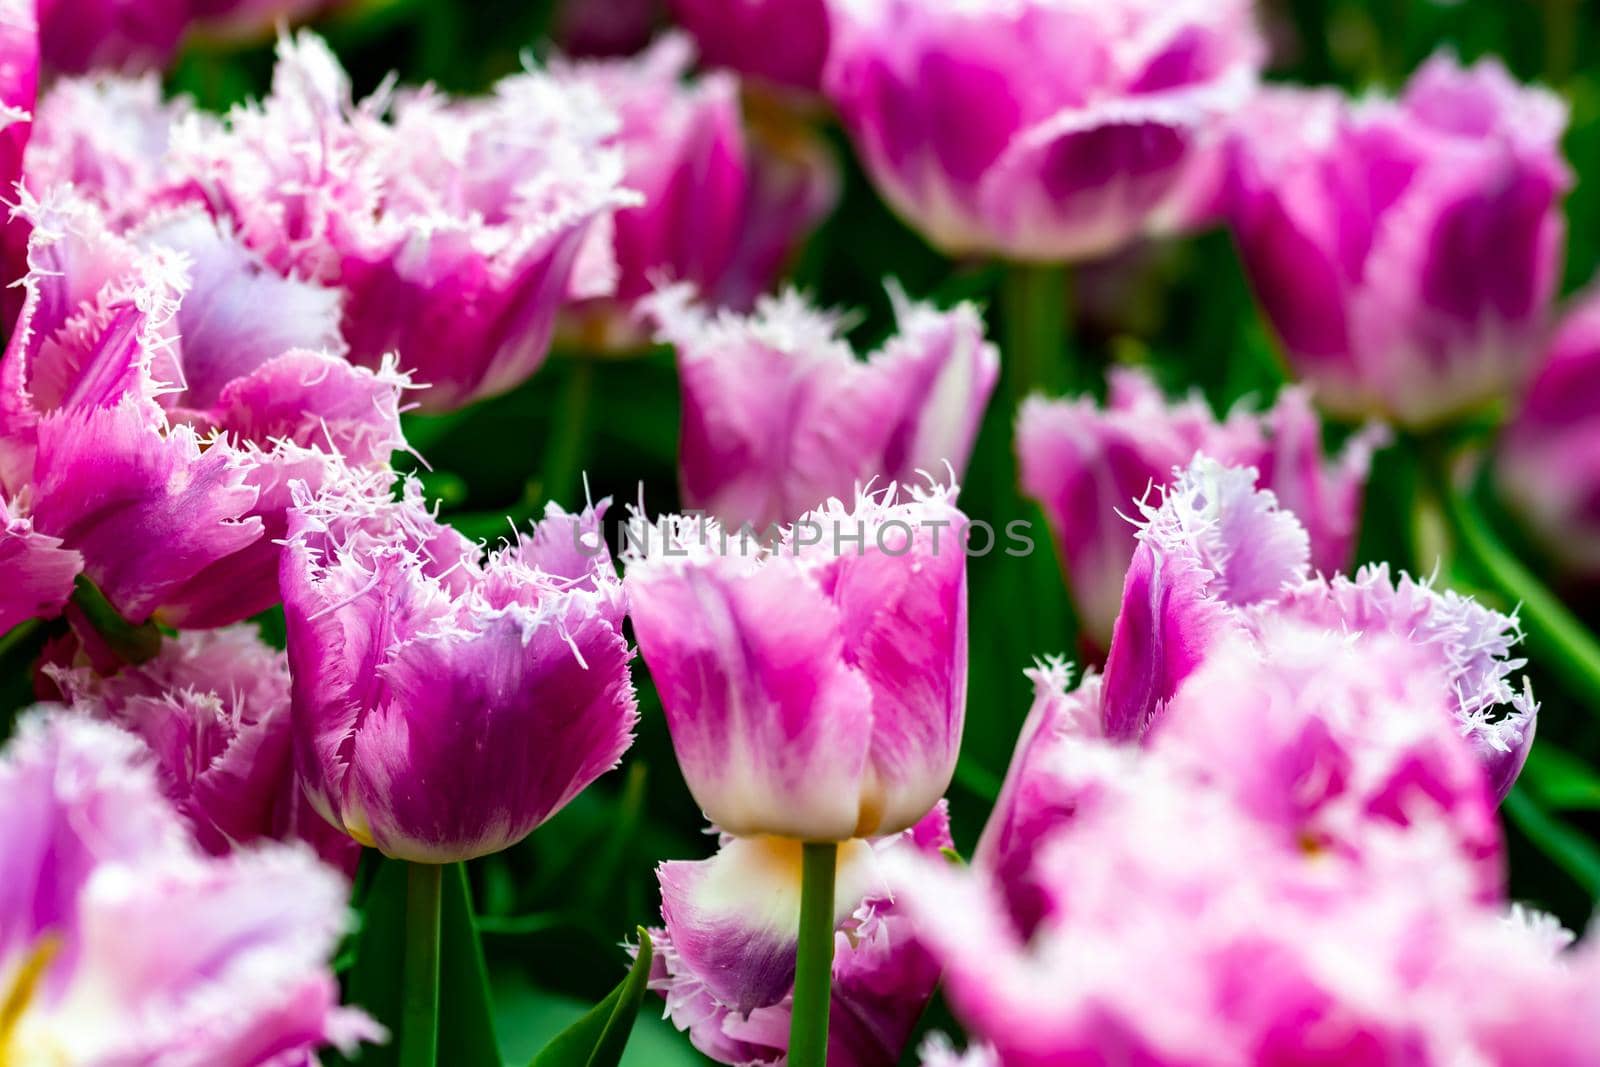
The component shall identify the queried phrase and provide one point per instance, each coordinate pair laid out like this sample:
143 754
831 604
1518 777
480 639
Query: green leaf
1567 848
1561 780
600 1037
466 1018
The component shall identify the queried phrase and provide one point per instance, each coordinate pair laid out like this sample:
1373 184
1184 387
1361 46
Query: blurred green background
555 908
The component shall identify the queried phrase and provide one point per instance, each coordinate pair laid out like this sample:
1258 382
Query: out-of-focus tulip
159 399
1038 130
1088 465
725 961
122 942
78 36
451 228
19 83
1213 943
784 42
1217 558
214 708
779 415
814 687
1549 462
1406 251
446 705
723 207
614 28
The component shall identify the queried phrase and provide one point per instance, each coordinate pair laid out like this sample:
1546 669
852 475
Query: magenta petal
770 724
38 571
485 736
148 511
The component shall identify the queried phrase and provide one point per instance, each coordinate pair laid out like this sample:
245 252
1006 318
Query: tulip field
838 533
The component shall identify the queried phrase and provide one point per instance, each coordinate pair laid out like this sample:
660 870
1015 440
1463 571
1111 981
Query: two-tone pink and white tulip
451 228
779 415
122 942
814 686
1087 465
725 959
446 704
160 392
213 707
1037 130
1406 251
1548 465
724 207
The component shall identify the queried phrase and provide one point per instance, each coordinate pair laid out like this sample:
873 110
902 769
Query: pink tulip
725 961
723 208
214 708
77 36
1037 130
1549 463
124 943
1088 465
780 416
784 42
815 687
445 705
1406 251
452 228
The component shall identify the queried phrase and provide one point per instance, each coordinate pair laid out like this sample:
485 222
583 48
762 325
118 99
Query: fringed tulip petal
445 706
815 687
124 943
779 415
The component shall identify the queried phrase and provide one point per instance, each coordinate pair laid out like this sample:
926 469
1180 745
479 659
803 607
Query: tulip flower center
19 993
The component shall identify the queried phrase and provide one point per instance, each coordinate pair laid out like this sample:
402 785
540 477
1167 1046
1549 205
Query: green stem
564 450
1035 313
1556 638
130 643
813 968
18 635
419 1027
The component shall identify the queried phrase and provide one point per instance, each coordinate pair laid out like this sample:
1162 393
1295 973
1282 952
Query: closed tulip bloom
451 228
213 706
814 687
1406 251
1040 130
446 704
780 415
124 943
782 42
1549 461
723 206
1087 465
725 960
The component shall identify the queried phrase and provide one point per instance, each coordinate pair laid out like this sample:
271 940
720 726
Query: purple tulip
783 42
1185 927
1406 251
780 416
725 961
445 705
724 206
1088 465
19 85
157 401
1217 559
121 942
452 229
1037 130
814 687
1549 463
214 708
78 36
